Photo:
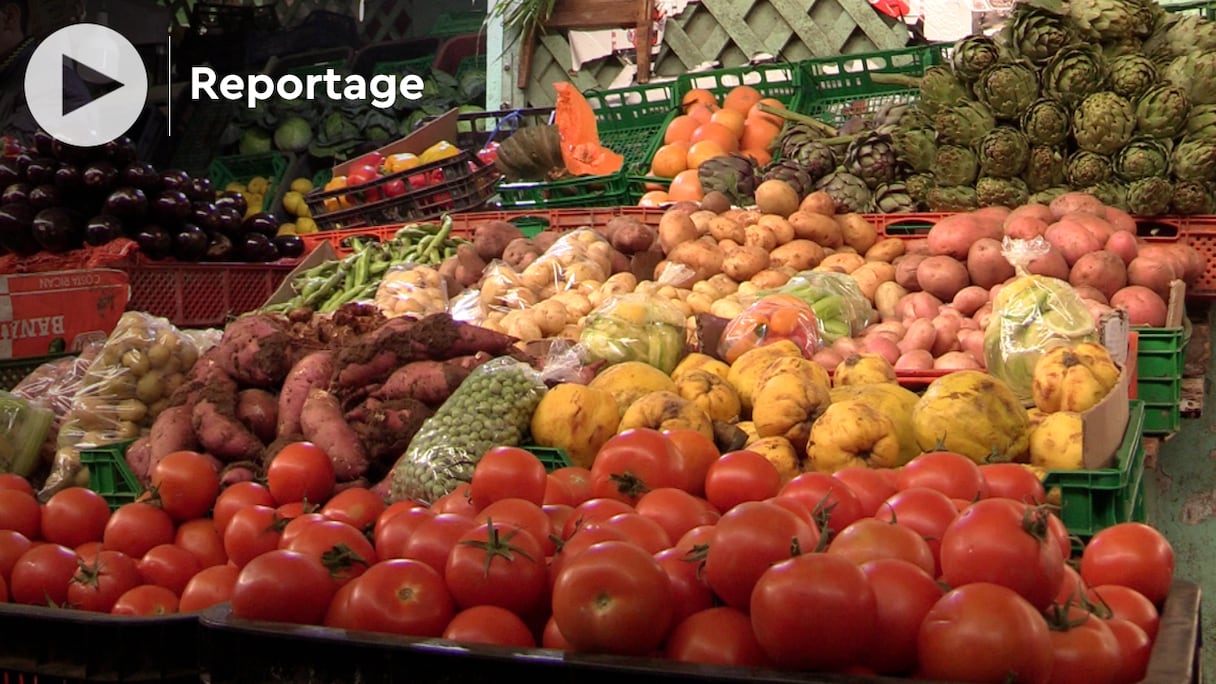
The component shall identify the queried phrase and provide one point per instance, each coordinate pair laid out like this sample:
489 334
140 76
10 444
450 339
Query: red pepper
488 154
394 188
372 159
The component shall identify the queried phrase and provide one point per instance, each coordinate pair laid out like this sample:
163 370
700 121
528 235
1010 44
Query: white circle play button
116 69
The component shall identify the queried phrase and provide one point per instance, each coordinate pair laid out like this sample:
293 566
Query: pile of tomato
665 548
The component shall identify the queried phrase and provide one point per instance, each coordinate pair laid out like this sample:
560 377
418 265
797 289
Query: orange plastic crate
202 294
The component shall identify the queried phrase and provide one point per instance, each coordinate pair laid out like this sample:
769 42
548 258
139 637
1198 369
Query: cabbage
255 141
293 135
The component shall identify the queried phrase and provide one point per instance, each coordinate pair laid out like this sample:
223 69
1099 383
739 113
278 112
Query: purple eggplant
121 151
41 170
9 173
170 207
174 179
155 242
228 221
44 143
68 178
190 243
201 190
45 197
16 193
219 247
290 246
101 229
140 175
232 199
261 222
99 177
127 203
16 229
202 214
256 247
56 229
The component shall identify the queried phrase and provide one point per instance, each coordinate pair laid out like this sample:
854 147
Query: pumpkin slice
580 137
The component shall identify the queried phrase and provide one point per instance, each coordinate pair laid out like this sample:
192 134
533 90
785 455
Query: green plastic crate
777 80
109 475
1160 353
1092 500
457 23
1206 9
553 457
581 191
471 63
632 120
242 168
13 371
1162 419
836 89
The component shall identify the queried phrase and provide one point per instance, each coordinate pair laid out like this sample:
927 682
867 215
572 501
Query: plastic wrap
53 386
840 307
492 407
23 430
636 327
576 257
769 319
1030 315
412 290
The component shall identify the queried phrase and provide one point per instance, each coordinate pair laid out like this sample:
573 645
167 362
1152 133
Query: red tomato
749 539
613 598
696 539
984 632
927 512
186 483
689 592
870 539
815 612
41 575
300 471
507 472
20 512
358 507
456 502
339 548
395 508
401 596
3 591
716 636
136 527
1013 481
338 613
499 565
433 540
489 625
1084 649
168 565
676 511
872 486
101 580
146 600
950 473
578 480
393 534
552 637
1072 590
1135 650
641 530
1132 554
295 509
635 462
254 530
283 586
293 527
1115 601
15 481
12 545
559 515
587 536
1059 532
237 496
741 476
829 500
904 593
521 513
698 453
594 510
88 549
211 586
557 492
1007 543
200 538
74 516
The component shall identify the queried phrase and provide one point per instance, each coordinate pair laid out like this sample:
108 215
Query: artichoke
1109 21
952 198
914 147
734 175
1046 196
940 88
963 123
1162 111
1132 75
1194 159
1002 152
1045 168
794 136
792 173
1111 193
1143 157
816 158
955 165
871 157
894 198
1103 123
972 55
1191 198
1196 72
903 115
1179 35
918 186
1201 122
1037 34
1088 168
850 192
1001 192
1149 196
1008 88
1047 122
1073 74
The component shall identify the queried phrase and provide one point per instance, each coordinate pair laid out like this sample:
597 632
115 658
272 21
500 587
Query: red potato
173 430
1051 264
918 305
139 458
1119 220
1124 245
1097 226
972 342
1072 239
956 360
323 424
314 370
1152 273
1037 212
1075 202
954 235
1143 306
1100 270
986 263
846 347
827 357
970 299
995 213
945 340
1026 227
1188 262
905 271
982 316
914 360
920 335
259 411
968 323
430 382
891 329
883 346
918 246
942 276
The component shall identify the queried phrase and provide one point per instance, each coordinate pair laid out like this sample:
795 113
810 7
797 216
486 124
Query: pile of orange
707 128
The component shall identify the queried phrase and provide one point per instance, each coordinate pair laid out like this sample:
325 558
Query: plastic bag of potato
412 290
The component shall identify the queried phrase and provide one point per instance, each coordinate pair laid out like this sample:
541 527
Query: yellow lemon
302 185
305 226
292 201
259 184
234 187
286 229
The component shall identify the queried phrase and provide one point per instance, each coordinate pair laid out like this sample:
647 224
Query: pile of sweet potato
356 384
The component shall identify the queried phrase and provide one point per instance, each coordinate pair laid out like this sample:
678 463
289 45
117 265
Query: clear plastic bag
770 319
53 386
578 256
1031 315
23 430
636 327
840 307
412 290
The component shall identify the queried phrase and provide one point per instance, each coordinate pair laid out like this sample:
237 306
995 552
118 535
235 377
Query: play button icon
103 57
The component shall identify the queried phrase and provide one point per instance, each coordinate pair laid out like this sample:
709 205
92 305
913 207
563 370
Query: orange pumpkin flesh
580 138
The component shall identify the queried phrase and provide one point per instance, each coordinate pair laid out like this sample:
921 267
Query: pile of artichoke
1116 98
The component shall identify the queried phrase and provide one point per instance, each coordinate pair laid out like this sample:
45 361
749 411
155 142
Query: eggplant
101 229
9 173
120 150
261 222
45 197
200 190
174 179
23 162
41 170
256 247
70 153
56 229
232 199
99 177
140 175
16 228
155 242
44 143
190 243
202 214
170 207
228 221
68 178
127 203
290 246
219 247
16 193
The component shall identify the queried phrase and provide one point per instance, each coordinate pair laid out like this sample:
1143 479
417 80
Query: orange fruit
680 128
686 186
758 134
718 133
700 95
701 112
670 160
654 198
756 113
730 119
741 98
702 151
761 156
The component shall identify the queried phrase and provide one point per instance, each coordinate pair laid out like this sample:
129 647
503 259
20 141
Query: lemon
235 187
292 201
259 184
302 186
303 209
286 229
305 226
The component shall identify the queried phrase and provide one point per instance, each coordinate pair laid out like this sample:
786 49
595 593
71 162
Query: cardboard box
1102 426
60 311
442 128
324 252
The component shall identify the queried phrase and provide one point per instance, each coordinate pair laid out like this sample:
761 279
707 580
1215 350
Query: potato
759 235
701 255
1039 212
744 262
768 279
1072 239
954 235
841 262
942 276
969 299
914 360
701 219
1143 305
917 246
946 329
918 305
905 271
1051 264
799 254
1091 293
727 228
887 249
1152 273
1076 202
886 299
631 236
1025 227
858 232
1119 220
779 225
871 275
882 346
987 265
818 228
1101 270
818 202
675 228
955 361
1124 245
919 334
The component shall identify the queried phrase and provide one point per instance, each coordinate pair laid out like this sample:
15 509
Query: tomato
1135 650
1115 601
1007 543
587 536
593 510
3 591
1072 590
401 596
211 586
40 576
358 507
815 611
136 527
338 613
676 511
295 509
497 564
927 512
559 515
1083 649
395 508
251 532
551 637
489 625
641 530
1013 481
749 539
20 512
456 501
556 492
283 586
578 480
870 539
689 592
186 483
340 548
698 452
433 540
984 632
507 472
872 486
101 580
146 600
634 462
1132 554
74 516
1059 532
12 545
200 538
15 481
168 565
393 534
293 527
300 471
237 496
613 598
903 595
716 636
88 549
524 514
950 473
828 499
698 538
741 476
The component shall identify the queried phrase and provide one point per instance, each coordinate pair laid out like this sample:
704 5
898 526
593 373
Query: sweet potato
173 430
314 370
1101 270
430 382
987 265
954 235
259 411
220 433
386 428
942 276
323 424
139 459
256 350
490 239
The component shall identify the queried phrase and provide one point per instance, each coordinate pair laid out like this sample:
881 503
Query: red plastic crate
1200 233
202 294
